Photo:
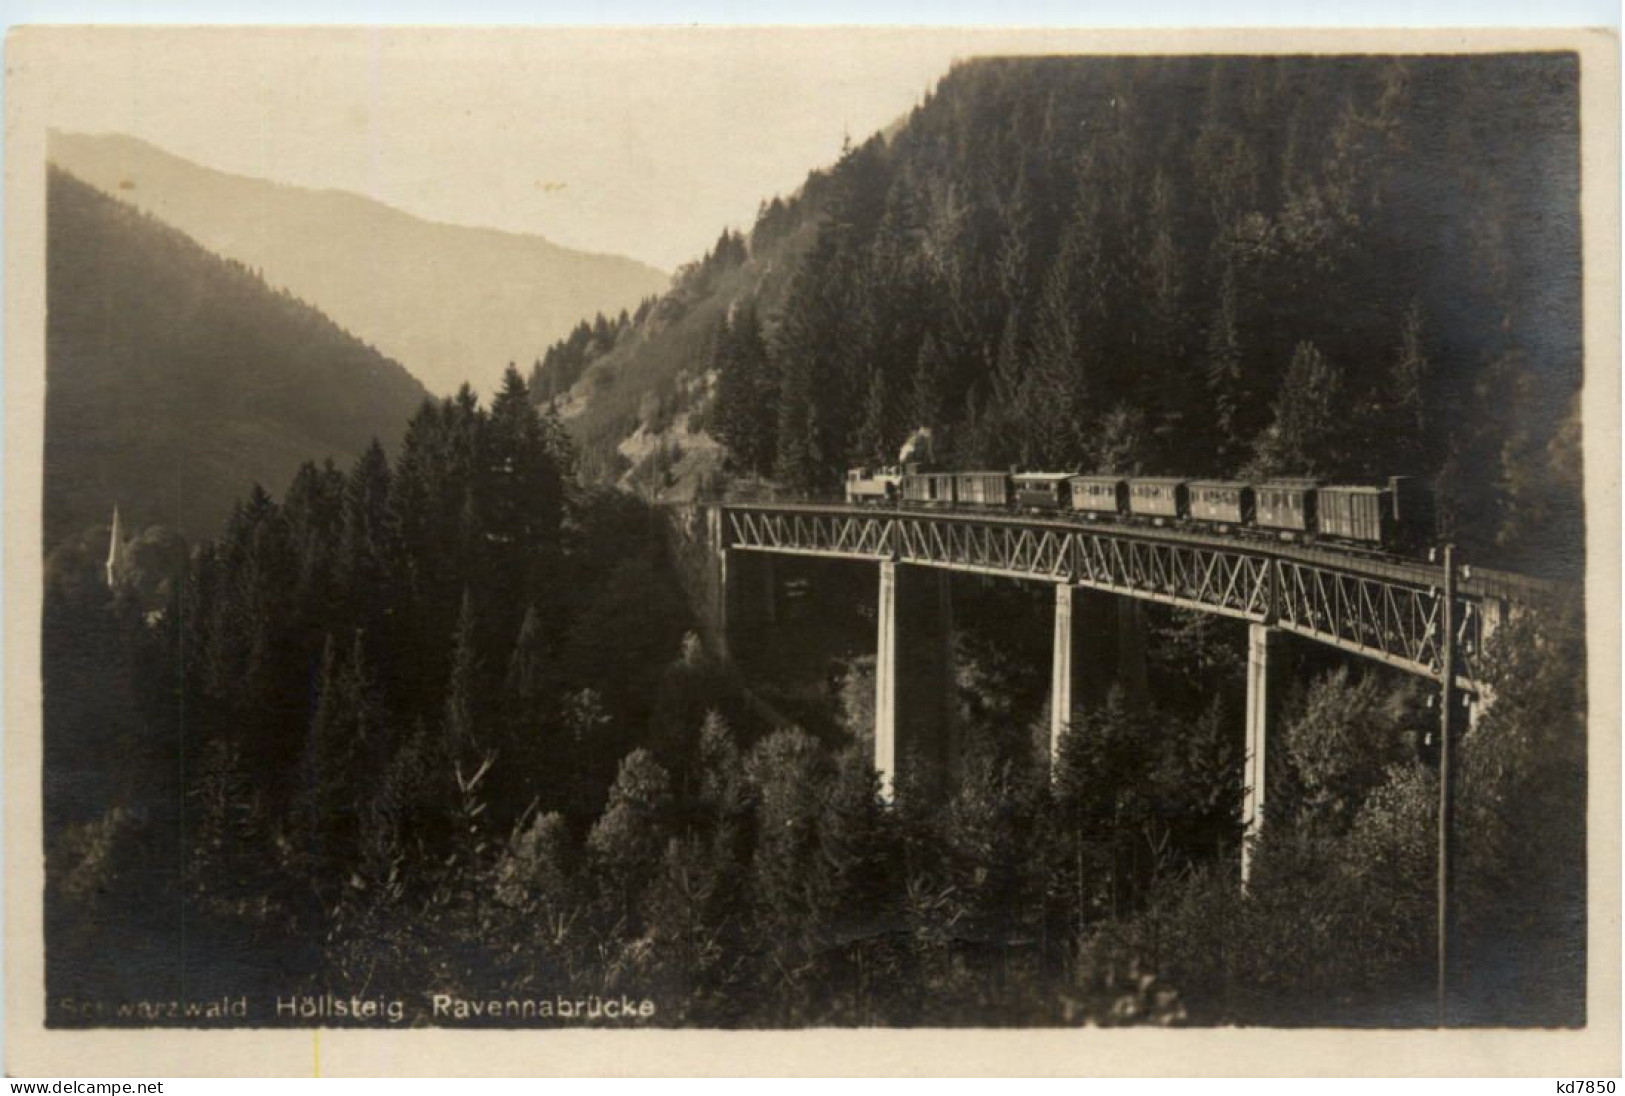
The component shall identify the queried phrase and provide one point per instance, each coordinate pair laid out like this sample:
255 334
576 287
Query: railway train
1393 517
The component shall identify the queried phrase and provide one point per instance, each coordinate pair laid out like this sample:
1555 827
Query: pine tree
800 460
628 840
745 413
528 674
1100 786
1308 435
588 752
928 397
875 442
346 737
789 773
314 511
862 913
530 768
367 545
1163 385
989 834
1223 369
1407 431
538 883
460 724
255 668
417 501
808 348
520 501
1067 377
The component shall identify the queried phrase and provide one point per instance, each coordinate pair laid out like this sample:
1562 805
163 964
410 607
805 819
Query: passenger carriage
1097 497
1222 502
1160 498
1286 505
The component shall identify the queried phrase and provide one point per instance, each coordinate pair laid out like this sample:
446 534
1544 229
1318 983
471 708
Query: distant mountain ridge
449 302
175 378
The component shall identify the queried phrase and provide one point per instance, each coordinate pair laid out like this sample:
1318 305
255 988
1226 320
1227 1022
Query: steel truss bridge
1388 610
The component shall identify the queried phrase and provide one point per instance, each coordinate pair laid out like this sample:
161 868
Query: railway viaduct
1428 619
1432 619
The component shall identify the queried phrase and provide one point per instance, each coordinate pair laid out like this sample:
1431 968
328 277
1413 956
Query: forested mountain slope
449 302
176 378
1350 267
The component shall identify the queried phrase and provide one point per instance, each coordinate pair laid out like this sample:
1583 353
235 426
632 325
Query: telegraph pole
1447 703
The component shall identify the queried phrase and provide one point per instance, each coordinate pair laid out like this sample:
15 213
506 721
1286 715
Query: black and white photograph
769 530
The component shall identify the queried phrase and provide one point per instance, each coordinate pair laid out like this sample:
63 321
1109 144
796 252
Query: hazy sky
644 143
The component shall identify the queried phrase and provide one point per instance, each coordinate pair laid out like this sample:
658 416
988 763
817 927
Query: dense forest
439 720
1347 267
441 728
175 377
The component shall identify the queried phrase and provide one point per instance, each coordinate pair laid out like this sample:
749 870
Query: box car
1225 501
982 488
1099 494
931 488
1370 515
1041 490
1287 504
1354 513
1157 496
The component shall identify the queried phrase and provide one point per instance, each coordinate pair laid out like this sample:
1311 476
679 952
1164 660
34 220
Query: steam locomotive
1395 516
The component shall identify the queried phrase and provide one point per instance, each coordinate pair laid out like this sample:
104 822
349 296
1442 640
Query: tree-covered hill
174 377
1354 267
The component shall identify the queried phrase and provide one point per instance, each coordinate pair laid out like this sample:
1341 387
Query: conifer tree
1310 425
928 396
1067 378
314 511
460 724
1407 428
526 724
1223 369
789 773
875 442
746 409
811 421
628 840
988 832
863 914
1162 383
346 736
367 545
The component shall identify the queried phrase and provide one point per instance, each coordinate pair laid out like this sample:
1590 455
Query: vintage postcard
811 551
